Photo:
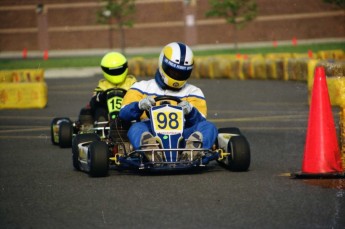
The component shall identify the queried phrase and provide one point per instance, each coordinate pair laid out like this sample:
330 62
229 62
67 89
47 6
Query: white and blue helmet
176 64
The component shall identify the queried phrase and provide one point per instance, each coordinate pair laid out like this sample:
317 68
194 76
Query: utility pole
191 34
42 25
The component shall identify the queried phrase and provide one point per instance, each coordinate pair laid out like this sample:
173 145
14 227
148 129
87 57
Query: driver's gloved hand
146 103
186 107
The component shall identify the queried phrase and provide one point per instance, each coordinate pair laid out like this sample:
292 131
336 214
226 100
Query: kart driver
175 67
115 69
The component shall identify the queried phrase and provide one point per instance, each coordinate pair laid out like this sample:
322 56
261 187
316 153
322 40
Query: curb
56 73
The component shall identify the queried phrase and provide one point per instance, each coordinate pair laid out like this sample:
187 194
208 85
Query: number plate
167 119
114 104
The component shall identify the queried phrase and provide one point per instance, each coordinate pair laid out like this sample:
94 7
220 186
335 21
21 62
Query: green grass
93 61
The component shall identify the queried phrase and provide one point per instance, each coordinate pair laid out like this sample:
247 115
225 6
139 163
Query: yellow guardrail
24 88
279 66
342 135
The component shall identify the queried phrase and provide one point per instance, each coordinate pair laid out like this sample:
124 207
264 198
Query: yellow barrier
331 54
279 66
135 66
342 135
297 69
24 88
23 75
335 73
23 95
278 55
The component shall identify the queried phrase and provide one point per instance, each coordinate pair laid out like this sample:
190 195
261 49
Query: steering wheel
162 98
118 91
168 97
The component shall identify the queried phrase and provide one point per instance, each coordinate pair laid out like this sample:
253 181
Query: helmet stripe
183 53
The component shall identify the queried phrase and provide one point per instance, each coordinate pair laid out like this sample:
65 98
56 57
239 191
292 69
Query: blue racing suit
195 120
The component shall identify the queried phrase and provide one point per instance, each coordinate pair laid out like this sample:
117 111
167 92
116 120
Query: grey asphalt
40 189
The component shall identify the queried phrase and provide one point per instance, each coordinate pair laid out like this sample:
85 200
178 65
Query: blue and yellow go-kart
96 156
63 129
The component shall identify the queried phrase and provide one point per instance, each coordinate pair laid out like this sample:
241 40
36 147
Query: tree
235 12
339 3
117 12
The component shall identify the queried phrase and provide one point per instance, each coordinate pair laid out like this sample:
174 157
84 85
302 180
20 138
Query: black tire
54 138
80 138
65 134
98 159
230 130
239 158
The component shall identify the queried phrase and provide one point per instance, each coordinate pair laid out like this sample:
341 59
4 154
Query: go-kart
96 156
63 129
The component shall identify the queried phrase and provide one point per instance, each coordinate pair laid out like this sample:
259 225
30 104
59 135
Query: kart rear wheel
98 159
80 138
65 134
239 158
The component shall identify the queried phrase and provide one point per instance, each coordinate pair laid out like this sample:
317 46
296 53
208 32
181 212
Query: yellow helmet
176 64
115 68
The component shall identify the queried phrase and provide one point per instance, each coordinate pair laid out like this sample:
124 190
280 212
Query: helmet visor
115 71
176 71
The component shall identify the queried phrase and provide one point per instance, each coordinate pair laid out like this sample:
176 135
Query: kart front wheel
239 158
98 159
80 138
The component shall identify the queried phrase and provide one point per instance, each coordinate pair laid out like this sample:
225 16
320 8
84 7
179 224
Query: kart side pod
234 150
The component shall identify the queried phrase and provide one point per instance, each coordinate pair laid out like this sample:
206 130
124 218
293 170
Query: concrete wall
71 24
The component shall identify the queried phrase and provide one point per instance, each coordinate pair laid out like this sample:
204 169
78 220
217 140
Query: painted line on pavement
261 118
24 130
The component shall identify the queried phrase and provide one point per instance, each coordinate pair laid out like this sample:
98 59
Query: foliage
235 12
339 3
117 12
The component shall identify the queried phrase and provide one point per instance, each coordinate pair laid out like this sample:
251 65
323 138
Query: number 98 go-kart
96 155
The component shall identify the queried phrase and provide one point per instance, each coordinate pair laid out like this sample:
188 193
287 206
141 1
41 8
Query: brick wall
71 24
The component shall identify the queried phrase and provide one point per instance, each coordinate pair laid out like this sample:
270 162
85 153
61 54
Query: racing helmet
175 64
114 67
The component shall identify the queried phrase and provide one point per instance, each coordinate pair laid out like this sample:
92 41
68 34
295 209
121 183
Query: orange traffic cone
45 55
25 53
321 153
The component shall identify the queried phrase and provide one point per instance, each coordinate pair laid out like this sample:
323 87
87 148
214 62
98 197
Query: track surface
40 189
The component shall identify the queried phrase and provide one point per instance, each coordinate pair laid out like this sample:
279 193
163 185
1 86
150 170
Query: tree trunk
235 38
122 40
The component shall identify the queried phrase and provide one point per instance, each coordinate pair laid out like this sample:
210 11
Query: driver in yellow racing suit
114 67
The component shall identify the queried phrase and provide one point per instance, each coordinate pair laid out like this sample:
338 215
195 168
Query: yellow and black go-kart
63 129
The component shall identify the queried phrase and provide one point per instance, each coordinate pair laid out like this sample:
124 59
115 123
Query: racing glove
186 107
146 103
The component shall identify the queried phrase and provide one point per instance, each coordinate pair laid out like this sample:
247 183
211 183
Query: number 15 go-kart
96 156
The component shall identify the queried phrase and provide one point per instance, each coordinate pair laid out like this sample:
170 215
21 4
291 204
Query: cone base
301 175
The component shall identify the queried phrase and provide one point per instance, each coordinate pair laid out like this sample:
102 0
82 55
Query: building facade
72 24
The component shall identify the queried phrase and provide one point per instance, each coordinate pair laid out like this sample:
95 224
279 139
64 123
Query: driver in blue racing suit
175 67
